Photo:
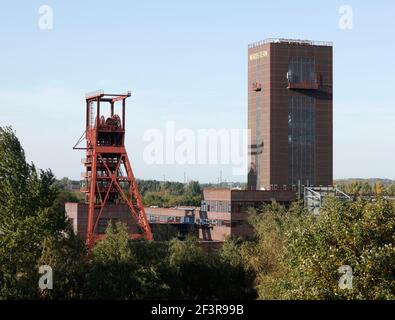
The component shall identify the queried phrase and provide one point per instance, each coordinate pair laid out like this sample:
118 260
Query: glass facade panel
215 206
258 126
301 70
301 140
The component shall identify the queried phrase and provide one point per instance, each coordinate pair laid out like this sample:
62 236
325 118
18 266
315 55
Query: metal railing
314 196
291 41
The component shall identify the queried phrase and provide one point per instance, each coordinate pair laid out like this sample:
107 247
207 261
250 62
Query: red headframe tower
108 174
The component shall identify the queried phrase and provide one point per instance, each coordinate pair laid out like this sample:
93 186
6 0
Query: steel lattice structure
108 173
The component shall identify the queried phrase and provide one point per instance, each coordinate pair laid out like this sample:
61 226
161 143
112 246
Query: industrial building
165 223
290 114
224 212
290 118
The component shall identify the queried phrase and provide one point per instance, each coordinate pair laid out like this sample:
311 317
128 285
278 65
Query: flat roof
291 41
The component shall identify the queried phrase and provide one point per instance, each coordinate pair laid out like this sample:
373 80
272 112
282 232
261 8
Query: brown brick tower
290 114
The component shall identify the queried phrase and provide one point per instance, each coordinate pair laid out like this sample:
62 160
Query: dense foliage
34 231
293 255
297 255
26 197
169 194
367 187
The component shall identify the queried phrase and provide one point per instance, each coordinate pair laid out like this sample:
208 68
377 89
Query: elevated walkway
314 197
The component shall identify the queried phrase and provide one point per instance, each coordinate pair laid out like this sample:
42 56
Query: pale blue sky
187 62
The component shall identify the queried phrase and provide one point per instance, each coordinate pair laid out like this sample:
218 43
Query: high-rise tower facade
290 114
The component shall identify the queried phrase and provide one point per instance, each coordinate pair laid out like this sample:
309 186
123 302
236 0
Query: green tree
154 271
124 269
25 220
112 267
193 189
359 234
115 246
378 188
170 194
390 190
199 274
57 214
67 256
264 255
236 280
296 255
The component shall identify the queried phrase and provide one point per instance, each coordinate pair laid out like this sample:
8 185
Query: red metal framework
108 173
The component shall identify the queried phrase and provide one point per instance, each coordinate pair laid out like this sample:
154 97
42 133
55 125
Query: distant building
290 116
290 119
224 212
290 108
166 223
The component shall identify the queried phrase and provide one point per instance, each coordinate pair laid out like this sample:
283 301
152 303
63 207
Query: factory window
188 220
219 206
301 140
215 206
